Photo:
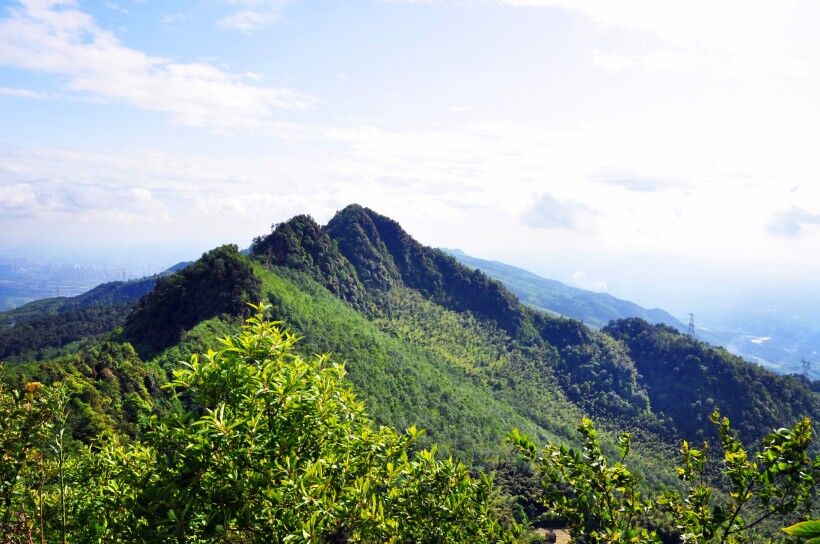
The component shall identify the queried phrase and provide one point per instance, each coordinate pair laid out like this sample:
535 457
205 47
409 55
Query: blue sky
629 146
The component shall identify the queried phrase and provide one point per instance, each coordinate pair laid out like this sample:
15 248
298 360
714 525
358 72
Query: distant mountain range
765 337
595 309
775 332
44 327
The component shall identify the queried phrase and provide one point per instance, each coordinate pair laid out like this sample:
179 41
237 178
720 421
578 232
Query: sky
662 151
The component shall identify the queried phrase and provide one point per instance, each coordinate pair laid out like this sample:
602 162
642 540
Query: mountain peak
302 244
360 241
360 250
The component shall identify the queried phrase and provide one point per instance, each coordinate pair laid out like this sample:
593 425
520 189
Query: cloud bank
55 37
792 223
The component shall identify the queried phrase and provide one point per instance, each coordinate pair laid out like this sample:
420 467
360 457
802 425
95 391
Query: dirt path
561 536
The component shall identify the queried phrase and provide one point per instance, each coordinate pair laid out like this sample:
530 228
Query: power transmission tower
806 367
691 331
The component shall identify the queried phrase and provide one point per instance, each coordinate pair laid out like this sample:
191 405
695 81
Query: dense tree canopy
276 449
221 282
603 503
687 379
301 244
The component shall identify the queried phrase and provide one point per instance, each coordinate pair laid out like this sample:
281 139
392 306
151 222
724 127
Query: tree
598 499
601 503
778 480
24 427
278 449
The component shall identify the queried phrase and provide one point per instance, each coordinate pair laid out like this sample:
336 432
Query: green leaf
804 529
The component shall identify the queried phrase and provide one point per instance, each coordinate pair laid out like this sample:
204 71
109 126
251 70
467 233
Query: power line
776 363
691 331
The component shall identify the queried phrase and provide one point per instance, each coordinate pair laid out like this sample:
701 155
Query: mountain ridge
592 367
383 274
591 307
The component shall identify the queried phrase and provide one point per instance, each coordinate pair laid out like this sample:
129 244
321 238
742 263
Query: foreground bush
274 448
741 502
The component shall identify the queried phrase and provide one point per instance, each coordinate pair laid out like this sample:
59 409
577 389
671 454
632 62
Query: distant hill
595 309
774 339
41 328
687 375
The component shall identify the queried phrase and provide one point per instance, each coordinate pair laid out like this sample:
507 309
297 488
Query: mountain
364 257
426 341
220 282
44 327
687 376
595 309
773 332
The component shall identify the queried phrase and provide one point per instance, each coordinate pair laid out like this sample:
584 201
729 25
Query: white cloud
56 37
23 93
636 182
246 20
580 279
113 6
727 25
699 175
612 62
84 202
792 223
663 59
17 198
730 36
253 14
550 213
141 194
171 19
69 193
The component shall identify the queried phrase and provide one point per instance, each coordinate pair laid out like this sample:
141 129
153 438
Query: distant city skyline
659 151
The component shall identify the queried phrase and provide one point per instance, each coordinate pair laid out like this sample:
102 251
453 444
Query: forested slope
220 282
687 379
426 340
41 328
594 369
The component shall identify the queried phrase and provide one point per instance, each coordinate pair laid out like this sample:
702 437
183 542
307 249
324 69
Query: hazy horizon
678 286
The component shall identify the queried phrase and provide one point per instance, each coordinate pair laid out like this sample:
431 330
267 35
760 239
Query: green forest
344 383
